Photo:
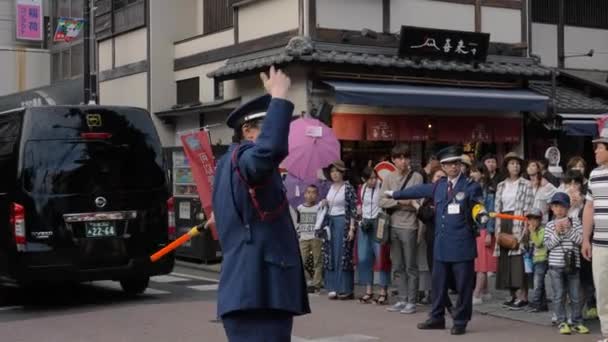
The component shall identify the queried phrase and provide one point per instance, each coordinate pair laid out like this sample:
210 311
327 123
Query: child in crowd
563 238
309 243
541 265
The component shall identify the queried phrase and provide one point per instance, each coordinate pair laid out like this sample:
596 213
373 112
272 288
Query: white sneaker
477 301
396 307
409 309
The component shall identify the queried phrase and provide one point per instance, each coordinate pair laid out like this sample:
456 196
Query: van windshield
127 158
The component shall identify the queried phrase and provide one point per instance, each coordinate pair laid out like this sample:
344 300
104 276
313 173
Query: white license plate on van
100 229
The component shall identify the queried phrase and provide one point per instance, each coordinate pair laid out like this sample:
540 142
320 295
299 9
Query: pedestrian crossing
168 284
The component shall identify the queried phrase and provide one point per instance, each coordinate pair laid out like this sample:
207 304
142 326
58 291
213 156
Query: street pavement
181 307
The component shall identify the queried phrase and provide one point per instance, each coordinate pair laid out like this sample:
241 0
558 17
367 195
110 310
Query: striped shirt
597 192
557 244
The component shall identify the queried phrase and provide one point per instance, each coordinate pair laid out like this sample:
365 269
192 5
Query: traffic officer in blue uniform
262 285
455 250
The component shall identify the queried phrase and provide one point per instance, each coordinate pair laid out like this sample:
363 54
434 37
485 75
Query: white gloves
389 193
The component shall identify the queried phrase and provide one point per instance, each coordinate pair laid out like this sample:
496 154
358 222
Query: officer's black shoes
430 324
458 330
347 296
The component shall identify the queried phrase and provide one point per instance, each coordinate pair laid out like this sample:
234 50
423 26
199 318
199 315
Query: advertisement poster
29 20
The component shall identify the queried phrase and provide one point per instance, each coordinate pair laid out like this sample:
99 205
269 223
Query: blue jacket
454 234
262 267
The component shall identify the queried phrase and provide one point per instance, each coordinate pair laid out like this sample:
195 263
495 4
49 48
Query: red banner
198 151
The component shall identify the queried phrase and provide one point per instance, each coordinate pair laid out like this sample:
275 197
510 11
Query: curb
214 268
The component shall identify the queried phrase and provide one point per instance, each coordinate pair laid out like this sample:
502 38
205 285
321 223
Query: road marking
204 287
345 338
167 279
9 308
113 285
195 277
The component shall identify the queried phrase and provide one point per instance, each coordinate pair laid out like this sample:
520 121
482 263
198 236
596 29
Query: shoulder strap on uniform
252 190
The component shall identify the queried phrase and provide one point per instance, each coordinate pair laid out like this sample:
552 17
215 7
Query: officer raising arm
455 196
262 284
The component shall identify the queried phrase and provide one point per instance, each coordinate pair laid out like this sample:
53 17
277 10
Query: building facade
204 58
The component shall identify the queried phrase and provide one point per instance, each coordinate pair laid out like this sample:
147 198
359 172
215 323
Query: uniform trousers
463 276
258 326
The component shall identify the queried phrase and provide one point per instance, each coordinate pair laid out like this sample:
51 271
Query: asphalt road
181 307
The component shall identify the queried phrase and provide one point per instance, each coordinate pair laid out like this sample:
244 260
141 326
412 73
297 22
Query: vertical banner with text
197 148
29 20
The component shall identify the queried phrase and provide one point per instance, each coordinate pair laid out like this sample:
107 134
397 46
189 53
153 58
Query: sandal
367 298
381 300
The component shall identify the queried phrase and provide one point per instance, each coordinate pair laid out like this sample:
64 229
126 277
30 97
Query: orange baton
173 245
508 217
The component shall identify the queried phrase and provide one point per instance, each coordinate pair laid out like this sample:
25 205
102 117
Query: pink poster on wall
29 20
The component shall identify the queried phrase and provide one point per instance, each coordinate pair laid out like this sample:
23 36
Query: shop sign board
443 44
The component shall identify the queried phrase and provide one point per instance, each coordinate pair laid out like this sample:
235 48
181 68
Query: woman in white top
370 254
338 246
541 188
515 196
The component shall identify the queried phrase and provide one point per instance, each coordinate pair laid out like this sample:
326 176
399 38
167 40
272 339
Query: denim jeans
539 294
562 283
368 252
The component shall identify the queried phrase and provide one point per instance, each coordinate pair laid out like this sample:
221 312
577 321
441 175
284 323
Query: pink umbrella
312 146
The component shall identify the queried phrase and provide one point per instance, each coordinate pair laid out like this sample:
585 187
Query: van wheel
134 286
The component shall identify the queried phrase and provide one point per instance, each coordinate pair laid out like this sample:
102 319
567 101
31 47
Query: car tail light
18 223
96 135
171 218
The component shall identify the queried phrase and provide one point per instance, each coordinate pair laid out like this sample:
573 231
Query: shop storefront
428 118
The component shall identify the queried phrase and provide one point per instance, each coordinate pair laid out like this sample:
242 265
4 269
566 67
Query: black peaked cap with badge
450 154
252 110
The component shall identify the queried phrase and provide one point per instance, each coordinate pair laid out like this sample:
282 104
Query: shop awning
374 127
580 124
402 95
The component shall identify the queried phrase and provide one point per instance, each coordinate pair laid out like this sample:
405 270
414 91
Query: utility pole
561 55
87 51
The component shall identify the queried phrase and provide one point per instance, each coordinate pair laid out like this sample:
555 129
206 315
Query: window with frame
217 15
117 16
188 91
67 63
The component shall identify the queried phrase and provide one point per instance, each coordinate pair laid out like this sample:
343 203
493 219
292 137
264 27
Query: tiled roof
302 49
570 100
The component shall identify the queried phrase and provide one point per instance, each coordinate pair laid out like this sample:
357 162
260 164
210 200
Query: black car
83 196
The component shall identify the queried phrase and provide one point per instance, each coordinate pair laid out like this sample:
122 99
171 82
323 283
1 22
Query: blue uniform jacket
454 235
262 267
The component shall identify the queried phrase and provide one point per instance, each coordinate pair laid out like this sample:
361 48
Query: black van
83 196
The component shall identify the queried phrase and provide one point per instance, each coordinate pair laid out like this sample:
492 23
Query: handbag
383 228
507 241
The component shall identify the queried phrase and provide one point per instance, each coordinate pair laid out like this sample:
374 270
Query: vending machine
189 212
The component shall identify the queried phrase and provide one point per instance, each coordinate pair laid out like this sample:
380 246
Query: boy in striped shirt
595 219
563 237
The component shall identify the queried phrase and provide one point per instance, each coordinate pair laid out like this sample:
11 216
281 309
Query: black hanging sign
443 44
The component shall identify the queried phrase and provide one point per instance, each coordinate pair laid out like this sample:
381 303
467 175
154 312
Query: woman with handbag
341 202
515 196
371 255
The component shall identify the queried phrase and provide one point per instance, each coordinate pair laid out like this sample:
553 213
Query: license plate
100 229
